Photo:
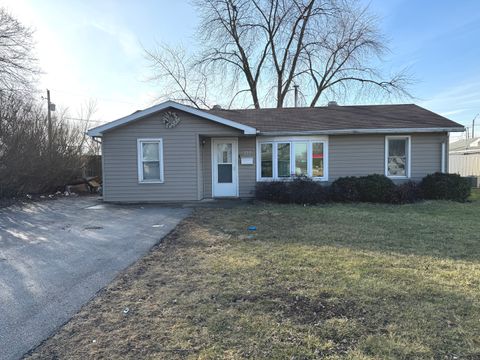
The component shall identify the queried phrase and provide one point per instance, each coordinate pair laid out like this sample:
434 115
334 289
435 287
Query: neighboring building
464 157
173 152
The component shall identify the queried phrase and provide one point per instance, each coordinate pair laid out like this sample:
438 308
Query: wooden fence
93 166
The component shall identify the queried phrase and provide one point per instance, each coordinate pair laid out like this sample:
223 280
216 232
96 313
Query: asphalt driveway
55 255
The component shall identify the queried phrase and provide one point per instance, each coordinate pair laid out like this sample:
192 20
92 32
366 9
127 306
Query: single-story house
174 152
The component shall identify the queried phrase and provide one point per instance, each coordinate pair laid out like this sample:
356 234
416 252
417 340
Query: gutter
363 131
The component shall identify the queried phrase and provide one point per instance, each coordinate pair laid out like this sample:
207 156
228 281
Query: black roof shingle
332 118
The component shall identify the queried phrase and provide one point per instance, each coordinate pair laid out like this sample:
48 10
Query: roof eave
100 130
363 131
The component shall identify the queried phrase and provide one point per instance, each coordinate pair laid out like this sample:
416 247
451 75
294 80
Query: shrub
275 191
375 188
406 193
303 190
29 161
440 186
345 189
372 188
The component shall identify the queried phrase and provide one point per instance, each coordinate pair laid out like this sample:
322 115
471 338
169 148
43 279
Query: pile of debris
81 186
87 185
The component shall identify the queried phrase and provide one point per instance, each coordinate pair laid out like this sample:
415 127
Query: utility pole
50 108
473 126
49 118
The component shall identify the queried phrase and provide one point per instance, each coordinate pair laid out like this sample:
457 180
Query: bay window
267 160
301 159
397 156
283 158
150 160
317 159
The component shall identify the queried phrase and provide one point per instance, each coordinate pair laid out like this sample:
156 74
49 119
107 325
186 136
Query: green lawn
328 282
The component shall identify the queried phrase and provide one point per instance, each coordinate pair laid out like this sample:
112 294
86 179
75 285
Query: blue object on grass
252 228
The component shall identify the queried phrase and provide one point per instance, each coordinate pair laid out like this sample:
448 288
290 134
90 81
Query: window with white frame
397 156
282 158
266 169
150 160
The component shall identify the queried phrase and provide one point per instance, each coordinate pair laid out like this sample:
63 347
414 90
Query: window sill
291 179
151 182
399 177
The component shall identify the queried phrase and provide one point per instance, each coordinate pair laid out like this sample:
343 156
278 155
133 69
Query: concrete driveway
55 255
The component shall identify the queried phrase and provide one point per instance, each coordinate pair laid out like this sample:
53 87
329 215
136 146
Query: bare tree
184 82
286 47
337 56
17 63
234 41
263 47
85 116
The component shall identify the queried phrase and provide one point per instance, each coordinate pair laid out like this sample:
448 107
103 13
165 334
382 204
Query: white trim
275 140
259 160
140 160
443 166
409 155
103 172
363 131
234 141
99 130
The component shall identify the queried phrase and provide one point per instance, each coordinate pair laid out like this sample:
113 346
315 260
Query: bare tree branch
17 64
171 68
327 47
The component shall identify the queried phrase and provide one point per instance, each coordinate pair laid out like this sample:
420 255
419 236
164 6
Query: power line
93 97
85 120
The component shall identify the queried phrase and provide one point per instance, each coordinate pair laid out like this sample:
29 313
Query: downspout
444 160
202 144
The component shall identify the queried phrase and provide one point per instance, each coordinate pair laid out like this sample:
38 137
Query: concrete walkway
55 255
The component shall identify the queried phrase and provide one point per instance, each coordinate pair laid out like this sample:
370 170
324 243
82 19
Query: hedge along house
173 152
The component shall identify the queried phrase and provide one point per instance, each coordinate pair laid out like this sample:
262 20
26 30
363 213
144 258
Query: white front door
224 167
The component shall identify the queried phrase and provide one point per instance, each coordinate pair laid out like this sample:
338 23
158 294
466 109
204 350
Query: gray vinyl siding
355 155
247 173
427 154
359 155
180 154
207 168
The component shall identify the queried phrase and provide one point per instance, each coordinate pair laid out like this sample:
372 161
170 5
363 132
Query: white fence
464 164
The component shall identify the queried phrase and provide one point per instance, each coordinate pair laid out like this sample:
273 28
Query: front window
301 158
150 162
267 160
397 156
281 158
317 159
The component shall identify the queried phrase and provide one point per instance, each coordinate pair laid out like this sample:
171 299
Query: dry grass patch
334 282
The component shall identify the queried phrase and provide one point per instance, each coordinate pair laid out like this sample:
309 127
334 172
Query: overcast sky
93 49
